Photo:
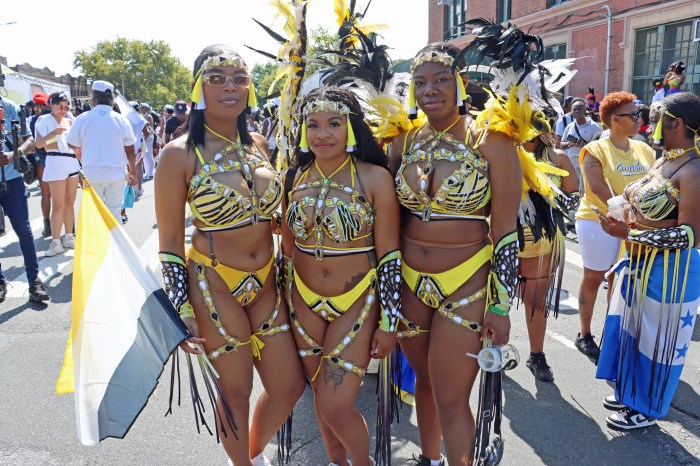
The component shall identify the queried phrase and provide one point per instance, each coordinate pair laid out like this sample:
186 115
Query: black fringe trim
488 451
284 440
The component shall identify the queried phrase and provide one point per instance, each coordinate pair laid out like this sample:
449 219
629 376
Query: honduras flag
649 328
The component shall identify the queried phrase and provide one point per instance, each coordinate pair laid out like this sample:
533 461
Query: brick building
78 85
646 36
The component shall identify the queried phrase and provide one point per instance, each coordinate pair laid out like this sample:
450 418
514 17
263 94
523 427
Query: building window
503 10
555 52
657 47
551 3
455 16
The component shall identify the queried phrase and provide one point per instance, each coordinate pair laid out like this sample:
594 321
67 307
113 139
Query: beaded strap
175 276
389 272
679 237
504 275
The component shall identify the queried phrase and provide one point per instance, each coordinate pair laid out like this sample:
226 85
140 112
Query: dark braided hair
367 149
195 122
686 106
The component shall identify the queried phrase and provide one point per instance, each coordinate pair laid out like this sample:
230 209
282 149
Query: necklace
441 134
320 203
236 148
670 154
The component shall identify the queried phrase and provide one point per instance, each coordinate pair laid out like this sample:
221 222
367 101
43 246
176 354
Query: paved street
556 424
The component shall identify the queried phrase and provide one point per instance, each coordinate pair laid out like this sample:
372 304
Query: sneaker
124 219
421 460
46 232
629 419
3 290
611 403
55 248
37 291
68 241
2 232
537 363
147 178
587 345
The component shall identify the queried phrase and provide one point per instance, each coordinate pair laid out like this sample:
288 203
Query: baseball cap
145 105
569 98
41 99
180 107
657 81
134 103
102 86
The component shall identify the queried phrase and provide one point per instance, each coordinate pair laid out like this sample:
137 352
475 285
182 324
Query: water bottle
497 358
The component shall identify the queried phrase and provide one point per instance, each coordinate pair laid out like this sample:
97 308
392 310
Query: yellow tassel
352 142
197 90
659 132
412 106
461 91
252 99
303 141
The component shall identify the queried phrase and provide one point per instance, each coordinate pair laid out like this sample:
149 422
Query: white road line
574 258
49 267
561 339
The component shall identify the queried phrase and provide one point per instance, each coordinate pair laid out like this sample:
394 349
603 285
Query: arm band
504 274
176 285
664 238
389 272
569 203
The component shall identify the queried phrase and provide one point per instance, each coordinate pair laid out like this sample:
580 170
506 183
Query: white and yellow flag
123 327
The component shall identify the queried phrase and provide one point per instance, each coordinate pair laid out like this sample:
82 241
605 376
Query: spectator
609 165
564 120
39 160
107 145
659 91
13 200
180 111
674 77
592 105
577 134
148 162
62 169
168 111
139 126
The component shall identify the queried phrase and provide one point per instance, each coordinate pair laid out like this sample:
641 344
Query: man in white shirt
659 91
105 141
577 134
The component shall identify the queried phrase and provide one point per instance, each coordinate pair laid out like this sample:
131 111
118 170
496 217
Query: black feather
272 33
263 53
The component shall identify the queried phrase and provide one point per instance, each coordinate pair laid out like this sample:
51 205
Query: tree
144 71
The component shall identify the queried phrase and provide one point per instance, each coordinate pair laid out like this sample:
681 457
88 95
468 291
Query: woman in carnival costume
542 257
226 290
340 240
655 297
447 177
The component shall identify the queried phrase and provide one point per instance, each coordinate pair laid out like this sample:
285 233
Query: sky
53 31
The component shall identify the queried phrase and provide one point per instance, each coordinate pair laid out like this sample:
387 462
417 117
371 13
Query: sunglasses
636 115
216 79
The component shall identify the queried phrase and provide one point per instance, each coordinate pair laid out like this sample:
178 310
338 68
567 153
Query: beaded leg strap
389 272
447 309
175 276
504 274
411 329
679 237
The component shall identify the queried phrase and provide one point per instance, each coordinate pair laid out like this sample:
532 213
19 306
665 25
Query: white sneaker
69 241
54 248
261 460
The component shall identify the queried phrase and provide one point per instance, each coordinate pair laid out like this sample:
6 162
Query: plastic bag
129 197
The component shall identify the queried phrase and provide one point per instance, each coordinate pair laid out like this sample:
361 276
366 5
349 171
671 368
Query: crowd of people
365 245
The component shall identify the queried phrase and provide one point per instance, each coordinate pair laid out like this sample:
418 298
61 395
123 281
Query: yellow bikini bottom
433 288
536 249
330 308
244 286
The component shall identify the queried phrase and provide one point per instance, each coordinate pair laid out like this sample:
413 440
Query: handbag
129 197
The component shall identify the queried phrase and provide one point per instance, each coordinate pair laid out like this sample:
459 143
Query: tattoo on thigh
333 373
582 300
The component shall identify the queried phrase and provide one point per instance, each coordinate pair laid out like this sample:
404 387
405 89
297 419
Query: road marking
574 258
49 267
561 339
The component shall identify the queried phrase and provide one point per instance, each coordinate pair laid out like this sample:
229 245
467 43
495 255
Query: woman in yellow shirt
609 165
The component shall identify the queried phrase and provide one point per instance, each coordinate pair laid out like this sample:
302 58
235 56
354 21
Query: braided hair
196 120
367 149
686 106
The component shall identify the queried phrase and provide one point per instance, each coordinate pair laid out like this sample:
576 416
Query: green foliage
264 74
148 70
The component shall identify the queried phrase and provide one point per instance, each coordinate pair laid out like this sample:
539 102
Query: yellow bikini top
654 196
340 213
219 206
461 194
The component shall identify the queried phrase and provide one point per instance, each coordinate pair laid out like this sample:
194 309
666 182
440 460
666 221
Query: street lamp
126 66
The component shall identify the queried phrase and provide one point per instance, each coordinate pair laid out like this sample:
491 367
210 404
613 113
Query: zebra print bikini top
220 206
465 191
339 213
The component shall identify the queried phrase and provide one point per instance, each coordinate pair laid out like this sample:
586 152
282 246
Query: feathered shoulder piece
290 56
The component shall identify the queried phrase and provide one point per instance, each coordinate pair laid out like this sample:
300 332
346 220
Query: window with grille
551 3
655 48
455 15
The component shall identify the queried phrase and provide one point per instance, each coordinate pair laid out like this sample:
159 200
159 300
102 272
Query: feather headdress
292 70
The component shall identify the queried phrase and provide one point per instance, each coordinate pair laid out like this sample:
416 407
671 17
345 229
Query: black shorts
39 159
